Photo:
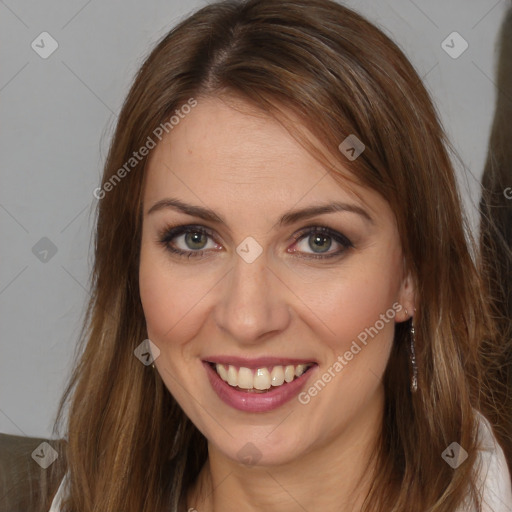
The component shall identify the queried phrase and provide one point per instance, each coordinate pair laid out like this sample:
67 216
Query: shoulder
59 496
493 476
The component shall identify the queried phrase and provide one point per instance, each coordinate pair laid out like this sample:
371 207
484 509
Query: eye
193 243
319 239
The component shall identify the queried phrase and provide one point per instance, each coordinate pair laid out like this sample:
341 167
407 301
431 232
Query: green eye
319 240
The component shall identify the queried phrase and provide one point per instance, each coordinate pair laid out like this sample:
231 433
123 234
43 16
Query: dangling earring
412 352
414 381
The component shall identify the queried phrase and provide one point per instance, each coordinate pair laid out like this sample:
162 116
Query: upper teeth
260 378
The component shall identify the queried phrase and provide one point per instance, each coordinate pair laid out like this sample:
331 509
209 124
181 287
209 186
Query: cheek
356 303
168 297
360 305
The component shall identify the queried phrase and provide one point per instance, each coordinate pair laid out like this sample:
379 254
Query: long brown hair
129 445
496 232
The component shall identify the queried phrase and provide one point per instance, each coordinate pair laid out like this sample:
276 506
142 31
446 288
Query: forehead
230 153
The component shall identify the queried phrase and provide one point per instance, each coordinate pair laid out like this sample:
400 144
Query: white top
493 479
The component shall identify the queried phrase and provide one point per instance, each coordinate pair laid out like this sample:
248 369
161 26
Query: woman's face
262 287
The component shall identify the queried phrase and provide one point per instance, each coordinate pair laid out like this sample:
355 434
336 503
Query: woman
280 232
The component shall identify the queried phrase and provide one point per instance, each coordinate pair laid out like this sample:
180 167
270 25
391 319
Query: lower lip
256 402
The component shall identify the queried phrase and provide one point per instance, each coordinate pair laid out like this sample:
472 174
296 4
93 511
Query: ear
406 296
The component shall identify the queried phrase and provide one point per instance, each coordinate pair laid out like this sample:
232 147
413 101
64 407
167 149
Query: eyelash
169 233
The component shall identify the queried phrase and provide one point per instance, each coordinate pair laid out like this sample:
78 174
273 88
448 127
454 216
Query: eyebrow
288 218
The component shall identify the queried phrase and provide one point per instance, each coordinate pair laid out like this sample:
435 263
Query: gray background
58 115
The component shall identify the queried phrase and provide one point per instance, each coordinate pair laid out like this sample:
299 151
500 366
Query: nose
252 304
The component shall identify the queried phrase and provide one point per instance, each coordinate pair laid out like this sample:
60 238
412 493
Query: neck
334 475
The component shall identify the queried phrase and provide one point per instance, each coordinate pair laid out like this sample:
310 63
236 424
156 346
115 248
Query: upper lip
258 362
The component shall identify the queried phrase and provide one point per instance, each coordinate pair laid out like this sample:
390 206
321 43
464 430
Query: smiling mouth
259 380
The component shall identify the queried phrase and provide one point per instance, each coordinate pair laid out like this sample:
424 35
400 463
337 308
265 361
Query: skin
248 169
